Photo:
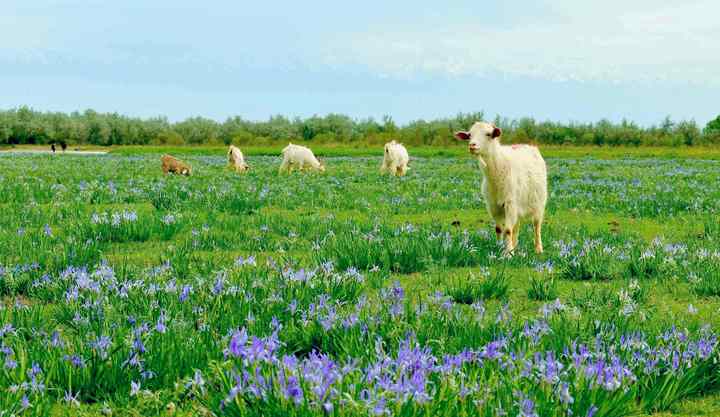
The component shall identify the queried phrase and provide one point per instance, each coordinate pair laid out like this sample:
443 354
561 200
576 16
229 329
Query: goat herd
514 176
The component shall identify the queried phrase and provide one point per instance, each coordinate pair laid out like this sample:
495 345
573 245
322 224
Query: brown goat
174 165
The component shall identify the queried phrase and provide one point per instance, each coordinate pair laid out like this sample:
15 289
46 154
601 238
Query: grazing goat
300 157
174 165
236 160
396 159
514 183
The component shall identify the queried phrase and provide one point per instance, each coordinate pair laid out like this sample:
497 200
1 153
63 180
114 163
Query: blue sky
561 60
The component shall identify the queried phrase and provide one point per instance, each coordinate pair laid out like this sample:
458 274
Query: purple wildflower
134 388
185 294
238 342
293 390
160 326
25 403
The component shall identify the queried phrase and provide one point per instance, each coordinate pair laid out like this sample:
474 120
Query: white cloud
612 41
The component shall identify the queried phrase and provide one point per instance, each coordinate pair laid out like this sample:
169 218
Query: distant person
52 146
63 145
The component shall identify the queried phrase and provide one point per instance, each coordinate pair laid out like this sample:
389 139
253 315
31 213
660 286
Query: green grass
630 246
366 149
555 151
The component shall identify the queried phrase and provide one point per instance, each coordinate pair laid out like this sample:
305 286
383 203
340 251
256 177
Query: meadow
126 292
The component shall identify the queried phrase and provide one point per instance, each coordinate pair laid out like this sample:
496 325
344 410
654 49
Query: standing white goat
396 159
514 184
236 160
300 157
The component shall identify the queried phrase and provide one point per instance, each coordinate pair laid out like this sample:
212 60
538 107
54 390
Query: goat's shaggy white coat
514 183
236 160
300 157
396 159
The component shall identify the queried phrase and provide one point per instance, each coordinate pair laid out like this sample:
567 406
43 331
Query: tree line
27 126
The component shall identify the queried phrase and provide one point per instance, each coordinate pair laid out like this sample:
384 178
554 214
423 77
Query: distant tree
688 132
713 127
232 128
198 130
25 125
388 125
666 126
168 137
280 128
5 127
339 125
150 129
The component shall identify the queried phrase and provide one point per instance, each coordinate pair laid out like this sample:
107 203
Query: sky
561 60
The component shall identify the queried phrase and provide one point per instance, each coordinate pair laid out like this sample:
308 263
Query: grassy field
600 152
459 150
125 292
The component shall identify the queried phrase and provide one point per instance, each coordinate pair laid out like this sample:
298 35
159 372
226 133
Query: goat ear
462 135
496 132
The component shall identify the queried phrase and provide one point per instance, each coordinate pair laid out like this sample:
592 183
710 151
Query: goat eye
488 134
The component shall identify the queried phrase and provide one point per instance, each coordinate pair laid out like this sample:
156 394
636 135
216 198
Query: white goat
396 159
300 157
236 160
514 184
